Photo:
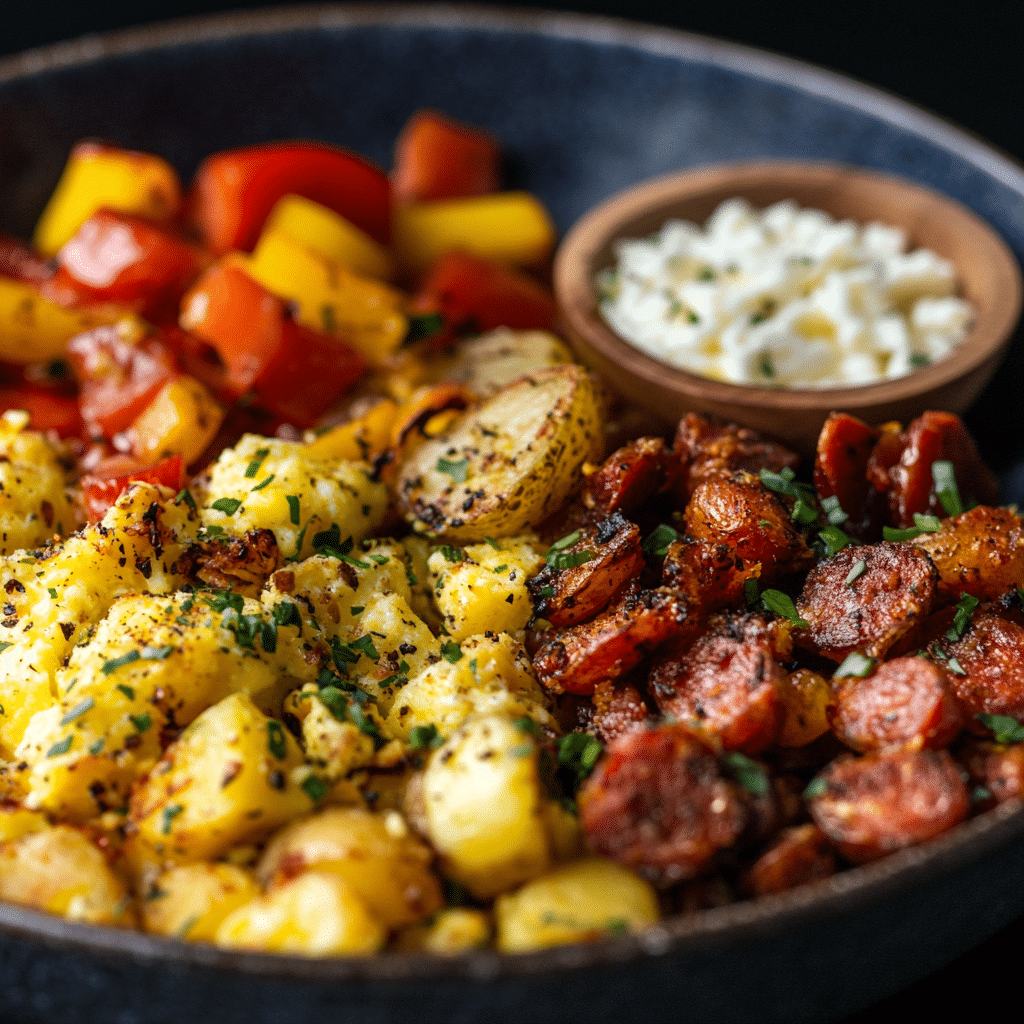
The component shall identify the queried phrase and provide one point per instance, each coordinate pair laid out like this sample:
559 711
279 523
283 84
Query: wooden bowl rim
577 259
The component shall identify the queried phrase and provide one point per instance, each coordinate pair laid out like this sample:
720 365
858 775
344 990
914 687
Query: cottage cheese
785 297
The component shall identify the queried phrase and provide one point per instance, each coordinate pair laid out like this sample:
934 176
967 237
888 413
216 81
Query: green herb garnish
229 506
782 604
855 664
457 469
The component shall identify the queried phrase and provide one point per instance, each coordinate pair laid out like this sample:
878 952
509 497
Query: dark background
963 62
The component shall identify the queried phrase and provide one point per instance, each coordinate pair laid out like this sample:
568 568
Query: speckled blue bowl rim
858 887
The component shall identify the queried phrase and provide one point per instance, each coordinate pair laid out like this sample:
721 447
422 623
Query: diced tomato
291 370
234 191
473 294
20 262
116 258
437 158
103 486
47 409
118 380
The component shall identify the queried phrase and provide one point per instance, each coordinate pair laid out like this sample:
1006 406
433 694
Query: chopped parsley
141 722
452 554
658 540
1004 728
782 604
423 325
451 651
578 753
314 788
229 506
816 787
185 495
425 737
293 509
457 469
747 772
171 811
962 620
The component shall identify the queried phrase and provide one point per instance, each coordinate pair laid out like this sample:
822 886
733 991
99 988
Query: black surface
965 67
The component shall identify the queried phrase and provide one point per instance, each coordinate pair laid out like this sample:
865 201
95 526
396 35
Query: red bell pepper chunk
291 370
437 158
475 294
48 410
117 380
234 191
21 263
117 258
103 486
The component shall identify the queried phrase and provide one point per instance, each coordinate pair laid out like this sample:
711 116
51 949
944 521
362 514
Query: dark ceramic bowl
586 107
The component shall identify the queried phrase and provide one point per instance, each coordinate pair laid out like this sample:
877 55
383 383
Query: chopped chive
1005 728
185 495
946 489
659 539
855 664
60 747
314 788
264 483
275 739
115 663
293 508
254 467
425 737
858 569
171 811
141 722
77 711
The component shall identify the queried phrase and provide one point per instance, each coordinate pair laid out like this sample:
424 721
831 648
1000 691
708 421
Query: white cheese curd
786 297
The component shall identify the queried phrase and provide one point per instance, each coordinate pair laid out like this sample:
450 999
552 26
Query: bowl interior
988 275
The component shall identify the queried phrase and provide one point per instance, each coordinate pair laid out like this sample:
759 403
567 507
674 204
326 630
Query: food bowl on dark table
552 89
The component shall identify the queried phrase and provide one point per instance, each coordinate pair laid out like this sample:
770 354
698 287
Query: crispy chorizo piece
905 702
578 658
865 598
741 512
987 665
710 575
997 767
707 449
871 806
726 683
241 563
631 476
980 552
578 592
799 855
657 803
936 436
845 445
618 708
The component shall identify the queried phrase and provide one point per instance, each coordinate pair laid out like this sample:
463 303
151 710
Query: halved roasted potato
508 463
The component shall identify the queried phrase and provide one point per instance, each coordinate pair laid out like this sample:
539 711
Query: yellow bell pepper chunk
98 176
331 298
512 227
328 234
181 420
34 330
361 438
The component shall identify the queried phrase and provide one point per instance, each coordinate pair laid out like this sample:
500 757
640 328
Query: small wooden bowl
988 274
